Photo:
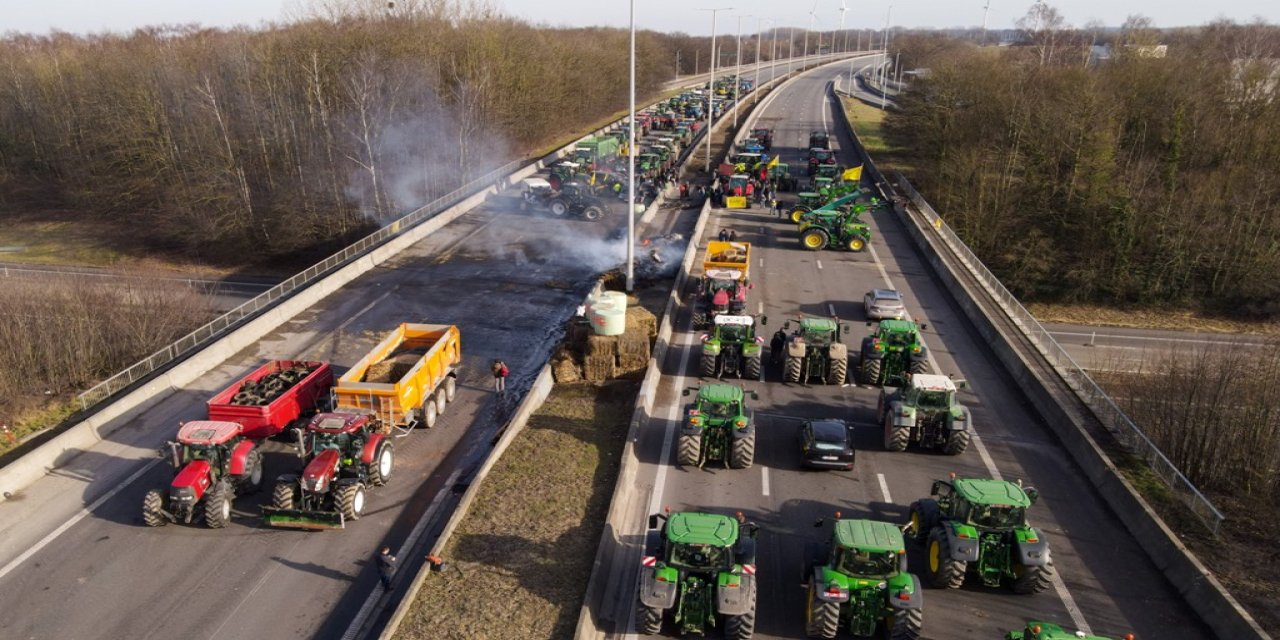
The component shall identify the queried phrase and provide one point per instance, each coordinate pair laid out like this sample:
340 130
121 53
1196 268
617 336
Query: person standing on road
500 372
386 567
724 235
775 346
777 204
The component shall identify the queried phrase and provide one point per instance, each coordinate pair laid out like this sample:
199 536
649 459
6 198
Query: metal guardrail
1128 433
105 389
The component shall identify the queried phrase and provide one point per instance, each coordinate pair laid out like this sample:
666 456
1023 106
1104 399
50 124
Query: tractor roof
535 183
869 535
702 528
992 492
817 324
208 432
337 422
932 382
740 321
717 392
895 326
724 274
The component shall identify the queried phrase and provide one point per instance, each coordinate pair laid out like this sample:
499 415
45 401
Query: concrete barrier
1062 411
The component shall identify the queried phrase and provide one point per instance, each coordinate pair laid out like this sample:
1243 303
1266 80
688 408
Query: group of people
755 190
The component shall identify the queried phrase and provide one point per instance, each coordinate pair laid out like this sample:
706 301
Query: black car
826 444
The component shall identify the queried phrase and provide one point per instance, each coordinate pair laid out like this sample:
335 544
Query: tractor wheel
814 239
741 627
796 214
924 514
441 402
648 620
350 500
942 571
957 442
870 371
794 367
707 366
699 320
592 213
744 452
558 207
153 509
919 366
217 505
837 371
252 479
895 439
906 625
753 369
856 243
1033 579
429 412
450 388
282 497
690 447
823 620
383 464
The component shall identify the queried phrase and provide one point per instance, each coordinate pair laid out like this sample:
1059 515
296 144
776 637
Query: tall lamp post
737 76
631 163
711 83
884 68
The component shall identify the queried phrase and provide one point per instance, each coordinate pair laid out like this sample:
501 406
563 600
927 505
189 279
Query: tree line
1135 180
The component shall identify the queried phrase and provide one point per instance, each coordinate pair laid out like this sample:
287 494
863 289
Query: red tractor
214 462
345 455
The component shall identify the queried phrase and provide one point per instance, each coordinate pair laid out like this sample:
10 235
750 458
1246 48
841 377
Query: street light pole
737 76
631 163
884 67
711 83
791 49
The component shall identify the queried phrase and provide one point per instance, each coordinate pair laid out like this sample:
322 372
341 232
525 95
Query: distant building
1254 79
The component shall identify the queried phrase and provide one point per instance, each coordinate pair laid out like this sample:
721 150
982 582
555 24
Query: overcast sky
84 16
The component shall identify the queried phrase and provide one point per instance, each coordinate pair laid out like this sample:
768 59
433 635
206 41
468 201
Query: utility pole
737 76
711 83
884 67
986 9
759 48
791 50
631 162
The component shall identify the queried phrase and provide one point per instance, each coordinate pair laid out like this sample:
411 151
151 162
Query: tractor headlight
315 485
882 585
740 423
184 495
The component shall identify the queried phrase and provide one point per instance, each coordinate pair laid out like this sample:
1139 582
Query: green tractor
732 347
861 584
978 526
1050 631
717 426
808 201
828 171
831 224
925 411
699 572
780 177
815 352
893 351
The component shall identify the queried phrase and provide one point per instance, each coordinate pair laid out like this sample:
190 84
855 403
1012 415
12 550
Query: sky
93 16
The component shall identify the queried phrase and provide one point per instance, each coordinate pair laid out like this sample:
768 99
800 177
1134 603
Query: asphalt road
77 562
1107 583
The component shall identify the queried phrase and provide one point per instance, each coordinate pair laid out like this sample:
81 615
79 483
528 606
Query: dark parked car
826 444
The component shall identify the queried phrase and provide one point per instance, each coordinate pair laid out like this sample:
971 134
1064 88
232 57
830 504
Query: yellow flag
773 163
853 174
592 181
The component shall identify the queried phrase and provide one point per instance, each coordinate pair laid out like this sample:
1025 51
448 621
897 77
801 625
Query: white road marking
819 263
80 515
831 309
884 488
764 480
761 263
760 308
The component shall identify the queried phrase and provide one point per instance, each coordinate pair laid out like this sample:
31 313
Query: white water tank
607 320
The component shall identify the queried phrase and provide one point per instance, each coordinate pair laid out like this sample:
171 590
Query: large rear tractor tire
217 505
1033 579
744 452
837 370
814 239
924 514
707 366
906 625
957 442
282 497
350 500
919 366
383 464
558 207
153 509
740 627
941 570
648 620
689 448
869 371
823 619
793 368
895 439
753 369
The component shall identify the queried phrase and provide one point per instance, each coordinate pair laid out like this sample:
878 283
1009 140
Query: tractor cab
206 440
817 331
734 328
744 162
930 391
821 156
829 171
862 581
995 505
822 186
726 290
820 140
717 403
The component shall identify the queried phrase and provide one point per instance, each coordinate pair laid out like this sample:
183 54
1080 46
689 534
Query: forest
1144 179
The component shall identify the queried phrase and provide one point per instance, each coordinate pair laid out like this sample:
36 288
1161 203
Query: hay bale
629 363
632 345
641 322
598 367
565 370
602 345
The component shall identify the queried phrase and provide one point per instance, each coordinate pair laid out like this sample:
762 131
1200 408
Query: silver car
880 304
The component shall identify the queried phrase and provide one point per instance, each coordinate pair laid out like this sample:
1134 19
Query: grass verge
1171 319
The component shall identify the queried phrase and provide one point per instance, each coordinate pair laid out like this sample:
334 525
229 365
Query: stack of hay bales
565 366
600 362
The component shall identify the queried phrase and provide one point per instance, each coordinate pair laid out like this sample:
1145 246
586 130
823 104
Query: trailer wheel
252 479
441 401
450 388
429 412
350 500
153 509
217 505
383 463
282 497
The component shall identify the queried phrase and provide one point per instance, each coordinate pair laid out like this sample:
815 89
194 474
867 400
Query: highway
77 562
1107 583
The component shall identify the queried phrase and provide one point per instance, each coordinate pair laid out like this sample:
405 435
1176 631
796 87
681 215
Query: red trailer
273 397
